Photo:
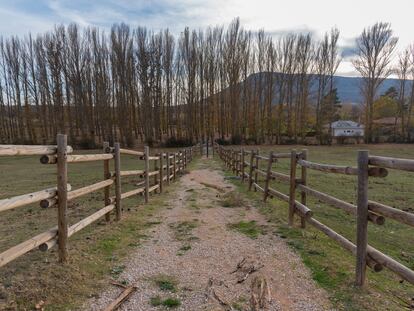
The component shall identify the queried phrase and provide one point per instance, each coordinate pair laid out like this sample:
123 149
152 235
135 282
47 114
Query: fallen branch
251 270
212 186
121 298
239 265
261 296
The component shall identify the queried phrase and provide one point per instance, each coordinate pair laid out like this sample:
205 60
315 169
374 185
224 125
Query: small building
346 128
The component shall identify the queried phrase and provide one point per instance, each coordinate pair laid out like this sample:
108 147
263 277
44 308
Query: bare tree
375 47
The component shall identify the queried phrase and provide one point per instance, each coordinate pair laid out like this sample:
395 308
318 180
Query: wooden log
29 198
48 203
281 155
279 194
304 211
131 152
118 191
252 155
304 156
362 218
257 186
88 189
21 150
337 203
280 176
132 192
107 175
26 246
131 173
122 297
146 169
345 243
153 173
347 170
339 169
394 213
52 159
260 172
153 188
292 187
398 268
394 163
262 158
268 176
62 194
78 226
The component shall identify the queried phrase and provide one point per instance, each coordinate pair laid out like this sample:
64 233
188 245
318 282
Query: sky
277 17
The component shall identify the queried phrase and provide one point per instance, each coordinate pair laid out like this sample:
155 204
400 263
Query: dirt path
193 251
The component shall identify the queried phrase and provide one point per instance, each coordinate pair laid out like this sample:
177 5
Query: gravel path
195 250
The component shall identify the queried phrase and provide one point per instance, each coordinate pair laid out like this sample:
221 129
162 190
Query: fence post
251 169
161 170
242 164
185 158
256 175
117 159
107 175
268 176
174 165
62 193
292 188
156 176
304 156
168 168
362 218
146 168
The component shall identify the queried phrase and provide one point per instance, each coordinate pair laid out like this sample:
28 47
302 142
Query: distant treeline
138 85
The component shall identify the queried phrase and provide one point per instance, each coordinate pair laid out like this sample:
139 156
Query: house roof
346 124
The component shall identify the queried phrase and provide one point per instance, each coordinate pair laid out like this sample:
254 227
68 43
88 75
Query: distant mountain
348 87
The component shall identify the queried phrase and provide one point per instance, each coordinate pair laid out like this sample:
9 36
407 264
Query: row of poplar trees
136 85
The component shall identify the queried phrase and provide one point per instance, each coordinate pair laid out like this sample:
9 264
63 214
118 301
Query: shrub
173 142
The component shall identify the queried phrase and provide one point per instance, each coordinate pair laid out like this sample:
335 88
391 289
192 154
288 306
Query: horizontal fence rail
246 164
166 168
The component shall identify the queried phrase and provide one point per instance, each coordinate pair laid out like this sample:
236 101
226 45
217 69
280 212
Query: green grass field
95 252
332 266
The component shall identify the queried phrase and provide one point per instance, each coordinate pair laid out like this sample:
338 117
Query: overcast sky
19 17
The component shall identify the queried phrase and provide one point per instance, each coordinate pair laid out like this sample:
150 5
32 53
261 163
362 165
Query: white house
345 128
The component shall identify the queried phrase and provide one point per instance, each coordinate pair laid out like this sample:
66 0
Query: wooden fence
166 168
246 164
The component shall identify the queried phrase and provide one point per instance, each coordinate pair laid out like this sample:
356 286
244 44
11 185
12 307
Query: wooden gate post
268 176
156 176
107 175
62 193
292 188
304 156
362 218
117 158
146 174
251 169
